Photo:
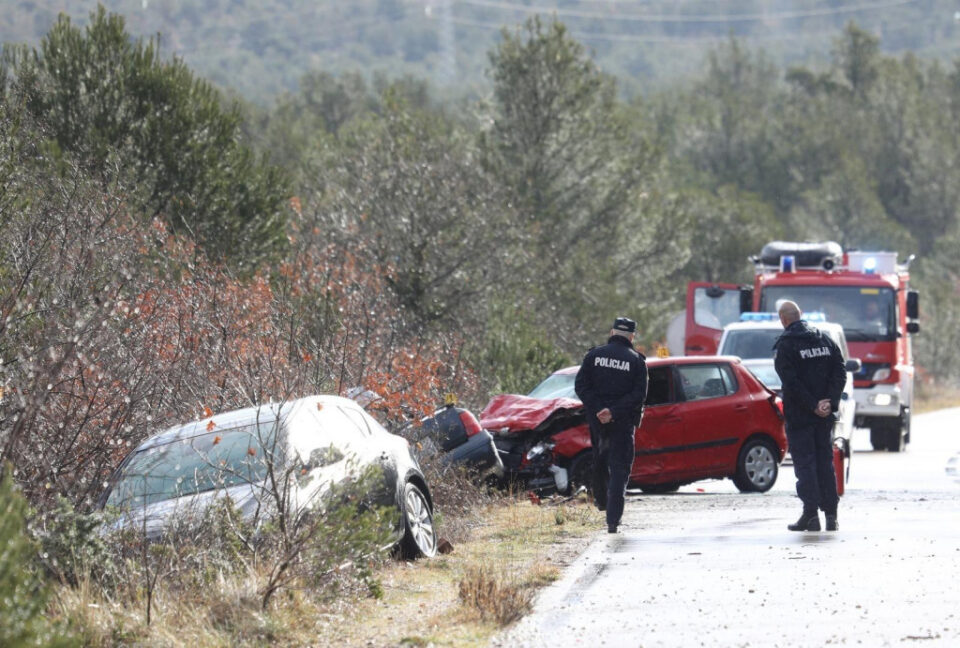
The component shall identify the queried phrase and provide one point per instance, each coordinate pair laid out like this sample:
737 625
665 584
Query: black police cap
625 324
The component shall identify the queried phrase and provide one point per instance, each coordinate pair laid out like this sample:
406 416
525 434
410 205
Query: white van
753 340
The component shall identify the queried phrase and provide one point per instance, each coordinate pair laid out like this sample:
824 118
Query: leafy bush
23 591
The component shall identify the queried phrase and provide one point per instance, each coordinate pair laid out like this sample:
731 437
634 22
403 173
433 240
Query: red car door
660 429
715 412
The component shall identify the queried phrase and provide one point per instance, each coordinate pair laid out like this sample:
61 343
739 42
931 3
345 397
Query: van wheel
419 534
895 440
878 437
757 467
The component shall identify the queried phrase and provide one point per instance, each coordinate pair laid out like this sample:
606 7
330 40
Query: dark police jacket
811 368
613 376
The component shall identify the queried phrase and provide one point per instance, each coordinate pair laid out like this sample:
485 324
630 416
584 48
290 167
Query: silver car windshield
214 460
750 344
556 386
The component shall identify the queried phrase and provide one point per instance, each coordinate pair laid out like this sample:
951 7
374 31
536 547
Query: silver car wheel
760 466
420 521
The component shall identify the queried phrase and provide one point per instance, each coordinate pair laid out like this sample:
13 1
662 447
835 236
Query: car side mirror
320 457
913 327
853 365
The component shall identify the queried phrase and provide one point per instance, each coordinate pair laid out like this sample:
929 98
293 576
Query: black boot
809 521
832 522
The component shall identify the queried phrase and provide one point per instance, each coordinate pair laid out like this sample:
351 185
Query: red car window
703 381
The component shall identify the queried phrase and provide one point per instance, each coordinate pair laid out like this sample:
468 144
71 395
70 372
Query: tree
856 54
117 105
582 177
732 226
408 183
732 131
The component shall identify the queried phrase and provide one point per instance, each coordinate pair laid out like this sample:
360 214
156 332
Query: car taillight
777 404
470 423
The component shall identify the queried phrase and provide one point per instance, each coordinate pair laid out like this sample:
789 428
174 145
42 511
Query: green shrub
23 591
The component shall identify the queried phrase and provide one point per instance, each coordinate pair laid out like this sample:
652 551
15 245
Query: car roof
235 418
659 362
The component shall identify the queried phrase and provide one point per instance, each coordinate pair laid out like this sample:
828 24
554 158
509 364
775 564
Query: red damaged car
706 417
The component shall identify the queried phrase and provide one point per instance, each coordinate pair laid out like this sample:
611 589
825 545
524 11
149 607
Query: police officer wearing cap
811 369
612 385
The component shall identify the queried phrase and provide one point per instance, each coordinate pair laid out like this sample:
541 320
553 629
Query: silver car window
213 460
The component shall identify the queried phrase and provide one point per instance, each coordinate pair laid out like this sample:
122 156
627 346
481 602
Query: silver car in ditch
302 448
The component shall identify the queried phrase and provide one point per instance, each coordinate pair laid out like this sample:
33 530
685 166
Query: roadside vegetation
166 252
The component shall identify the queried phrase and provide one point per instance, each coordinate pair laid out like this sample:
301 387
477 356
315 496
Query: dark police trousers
812 452
613 454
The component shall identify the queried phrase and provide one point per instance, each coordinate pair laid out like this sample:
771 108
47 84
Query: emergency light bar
872 262
812 316
759 317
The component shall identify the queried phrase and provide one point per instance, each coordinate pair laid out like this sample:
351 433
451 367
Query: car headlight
881 374
539 449
883 400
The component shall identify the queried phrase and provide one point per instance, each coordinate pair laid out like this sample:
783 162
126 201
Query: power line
687 18
628 38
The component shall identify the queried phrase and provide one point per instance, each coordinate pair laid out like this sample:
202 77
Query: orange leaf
210 427
252 452
217 438
207 412
319 406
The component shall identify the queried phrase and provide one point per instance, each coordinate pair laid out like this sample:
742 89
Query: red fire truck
867 292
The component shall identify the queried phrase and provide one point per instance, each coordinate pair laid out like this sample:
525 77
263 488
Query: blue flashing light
870 265
788 263
759 317
812 316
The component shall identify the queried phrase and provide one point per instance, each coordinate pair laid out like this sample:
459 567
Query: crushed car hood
513 413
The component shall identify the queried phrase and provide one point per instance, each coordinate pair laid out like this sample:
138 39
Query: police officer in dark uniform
612 384
811 369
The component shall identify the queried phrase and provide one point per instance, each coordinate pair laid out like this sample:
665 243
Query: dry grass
495 594
934 397
517 546
507 550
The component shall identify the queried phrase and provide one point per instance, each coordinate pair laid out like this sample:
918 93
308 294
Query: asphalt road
712 567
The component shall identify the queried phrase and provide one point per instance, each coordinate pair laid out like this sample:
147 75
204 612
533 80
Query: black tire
757 467
419 534
660 489
878 437
895 441
581 472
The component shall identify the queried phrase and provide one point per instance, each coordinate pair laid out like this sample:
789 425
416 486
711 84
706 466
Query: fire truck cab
866 292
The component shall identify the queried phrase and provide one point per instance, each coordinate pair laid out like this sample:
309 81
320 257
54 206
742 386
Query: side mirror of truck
913 305
913 327
853 365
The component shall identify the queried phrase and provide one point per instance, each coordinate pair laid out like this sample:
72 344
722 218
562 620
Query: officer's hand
823 408
604 415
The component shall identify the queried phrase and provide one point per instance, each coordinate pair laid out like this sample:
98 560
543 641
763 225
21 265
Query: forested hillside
261 48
